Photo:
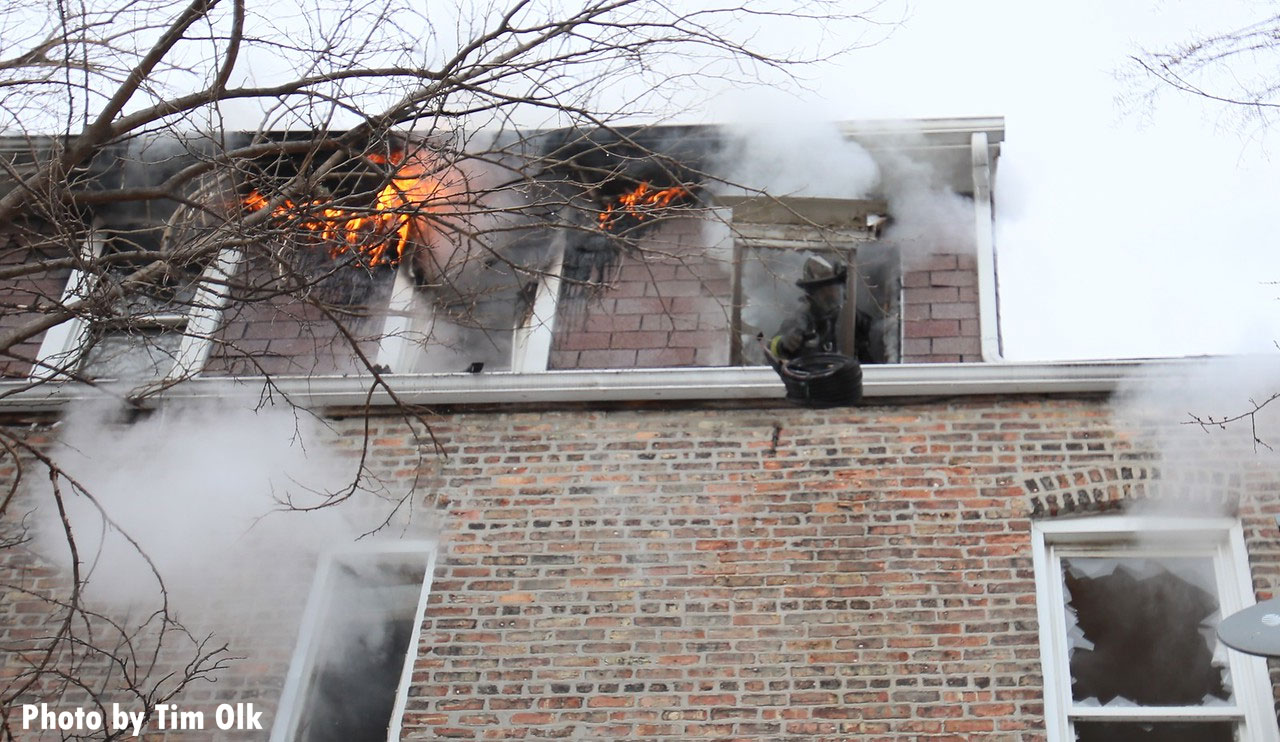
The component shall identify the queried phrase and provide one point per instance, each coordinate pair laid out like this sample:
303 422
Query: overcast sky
1123 230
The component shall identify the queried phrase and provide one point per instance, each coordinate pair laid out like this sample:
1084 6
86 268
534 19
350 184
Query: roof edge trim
621 385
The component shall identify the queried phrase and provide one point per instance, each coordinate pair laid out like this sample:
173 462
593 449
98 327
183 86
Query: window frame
833 227
306 651
531 339
845 253
1125 535
64 348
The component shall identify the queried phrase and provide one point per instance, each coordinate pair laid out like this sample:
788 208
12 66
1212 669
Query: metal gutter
622 385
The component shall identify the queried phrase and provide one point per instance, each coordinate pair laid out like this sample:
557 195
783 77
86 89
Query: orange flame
640 203
380 233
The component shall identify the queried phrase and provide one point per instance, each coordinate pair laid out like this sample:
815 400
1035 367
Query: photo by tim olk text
165 717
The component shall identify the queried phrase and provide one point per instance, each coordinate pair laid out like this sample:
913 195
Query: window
772 241
159 330
1128 611
503 322
351 669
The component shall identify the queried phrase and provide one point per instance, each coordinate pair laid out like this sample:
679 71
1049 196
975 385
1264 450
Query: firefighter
812 328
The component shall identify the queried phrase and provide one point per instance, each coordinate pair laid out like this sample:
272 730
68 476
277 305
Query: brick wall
670 305
666 575
940 311
22 299
747 574
665 305
267 330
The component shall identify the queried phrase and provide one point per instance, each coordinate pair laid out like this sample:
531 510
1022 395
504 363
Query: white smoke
207 493
794 159
1211 422
929 218
818 160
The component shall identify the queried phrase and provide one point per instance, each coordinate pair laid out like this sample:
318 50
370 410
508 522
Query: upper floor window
147 312
774 240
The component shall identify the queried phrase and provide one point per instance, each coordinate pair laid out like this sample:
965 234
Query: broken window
1140 631
354 654
1130 647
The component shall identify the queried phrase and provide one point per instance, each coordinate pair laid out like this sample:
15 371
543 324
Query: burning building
583 508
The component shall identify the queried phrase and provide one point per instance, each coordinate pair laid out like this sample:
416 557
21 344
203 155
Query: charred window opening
556 225
621 183
343 239
627 206
1141 631
355 656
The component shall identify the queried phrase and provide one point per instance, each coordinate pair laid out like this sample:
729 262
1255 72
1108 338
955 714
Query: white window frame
307 651
530 341
1222 539
63 346
531 344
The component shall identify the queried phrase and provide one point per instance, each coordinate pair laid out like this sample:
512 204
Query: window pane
362 646
135 353
770 295
1140 631
1161 731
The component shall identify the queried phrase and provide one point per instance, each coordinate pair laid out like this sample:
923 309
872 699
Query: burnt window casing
348 681
1129 610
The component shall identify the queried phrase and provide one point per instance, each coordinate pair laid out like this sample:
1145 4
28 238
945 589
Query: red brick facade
666 307
940 311
26 299
267 330
672 305
668 304
752 574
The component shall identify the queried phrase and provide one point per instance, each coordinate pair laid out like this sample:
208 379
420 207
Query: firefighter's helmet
819 272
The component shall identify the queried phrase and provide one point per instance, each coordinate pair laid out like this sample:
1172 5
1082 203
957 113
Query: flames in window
640 203
379 233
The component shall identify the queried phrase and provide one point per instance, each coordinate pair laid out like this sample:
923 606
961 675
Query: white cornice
648 385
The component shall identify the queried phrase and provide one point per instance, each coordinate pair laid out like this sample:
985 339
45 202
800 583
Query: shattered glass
1140 632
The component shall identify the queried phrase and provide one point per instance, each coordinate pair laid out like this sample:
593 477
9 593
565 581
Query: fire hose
818 379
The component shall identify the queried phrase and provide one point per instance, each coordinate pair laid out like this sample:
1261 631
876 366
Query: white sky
1123 231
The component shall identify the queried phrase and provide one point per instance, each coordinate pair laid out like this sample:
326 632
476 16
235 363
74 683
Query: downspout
984 242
